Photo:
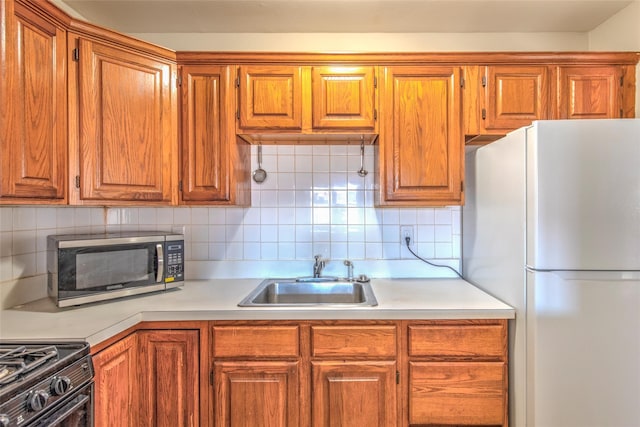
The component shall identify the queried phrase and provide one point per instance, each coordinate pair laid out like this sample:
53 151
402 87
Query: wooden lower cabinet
116 396
354 394
150 378
169 388
262 393
457 373
457 393
307 373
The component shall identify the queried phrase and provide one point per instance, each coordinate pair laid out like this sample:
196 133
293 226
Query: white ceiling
346 16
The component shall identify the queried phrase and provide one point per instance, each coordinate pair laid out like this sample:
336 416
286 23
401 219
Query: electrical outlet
406 231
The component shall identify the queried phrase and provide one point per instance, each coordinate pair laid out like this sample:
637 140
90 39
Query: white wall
620 33
370 42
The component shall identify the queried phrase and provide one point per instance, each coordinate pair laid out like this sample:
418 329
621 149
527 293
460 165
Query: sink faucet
318 266
349 265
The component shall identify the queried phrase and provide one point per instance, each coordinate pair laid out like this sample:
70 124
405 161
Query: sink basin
309 292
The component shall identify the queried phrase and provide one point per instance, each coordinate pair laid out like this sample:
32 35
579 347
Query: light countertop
218 299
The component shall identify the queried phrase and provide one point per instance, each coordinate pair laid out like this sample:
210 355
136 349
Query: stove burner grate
18 361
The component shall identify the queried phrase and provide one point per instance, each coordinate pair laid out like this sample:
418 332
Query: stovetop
23 364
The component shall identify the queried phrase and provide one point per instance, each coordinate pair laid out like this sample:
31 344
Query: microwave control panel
175 261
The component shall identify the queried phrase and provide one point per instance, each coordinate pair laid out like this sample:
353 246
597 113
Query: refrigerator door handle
608 275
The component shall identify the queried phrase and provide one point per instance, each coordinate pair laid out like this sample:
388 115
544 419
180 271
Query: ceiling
346 16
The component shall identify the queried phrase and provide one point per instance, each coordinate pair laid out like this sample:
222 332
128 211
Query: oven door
105 268
76 411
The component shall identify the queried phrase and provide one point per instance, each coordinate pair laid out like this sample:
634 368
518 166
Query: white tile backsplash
313 202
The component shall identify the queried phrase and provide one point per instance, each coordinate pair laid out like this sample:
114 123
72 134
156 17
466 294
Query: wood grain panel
589 92
470 341
343 97
420 143
515 96
207 133
354 394
270 97
250 394
256 341
116 394
366 341
127 141
169 366
457 393
33 122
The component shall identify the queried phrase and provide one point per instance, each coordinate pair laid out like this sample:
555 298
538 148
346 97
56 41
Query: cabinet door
126 130
169 363
515 96
420 141
343 98
354 394
33 107
250 393
209 149
457 393
116 393
270 97
589 92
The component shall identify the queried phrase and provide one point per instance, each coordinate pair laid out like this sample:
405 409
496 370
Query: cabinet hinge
462 82
375 114
238 81
179 80
462 186
621 81
77 181
76 54
211 378
397 377
238 114
375 82
484 114
180 185
484 81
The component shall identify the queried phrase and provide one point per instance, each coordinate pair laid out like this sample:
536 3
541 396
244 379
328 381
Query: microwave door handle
160 253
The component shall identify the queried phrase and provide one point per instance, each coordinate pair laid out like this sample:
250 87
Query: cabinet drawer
467 341
256 341
374 341
457 393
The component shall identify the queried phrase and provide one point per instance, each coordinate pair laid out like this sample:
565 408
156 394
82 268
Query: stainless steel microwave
84 268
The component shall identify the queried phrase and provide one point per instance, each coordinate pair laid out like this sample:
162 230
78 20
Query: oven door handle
67 411
160 254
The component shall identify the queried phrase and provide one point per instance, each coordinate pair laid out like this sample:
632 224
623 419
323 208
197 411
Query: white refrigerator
551 226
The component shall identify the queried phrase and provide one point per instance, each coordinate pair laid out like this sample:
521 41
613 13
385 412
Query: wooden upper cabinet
420 142
515 96
33 107
215 165
593 92
126 136
293 104
343 97
270 97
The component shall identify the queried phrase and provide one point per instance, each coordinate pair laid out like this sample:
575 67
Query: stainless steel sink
310 292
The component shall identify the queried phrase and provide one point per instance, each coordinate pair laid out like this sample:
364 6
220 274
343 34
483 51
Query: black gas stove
43 384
